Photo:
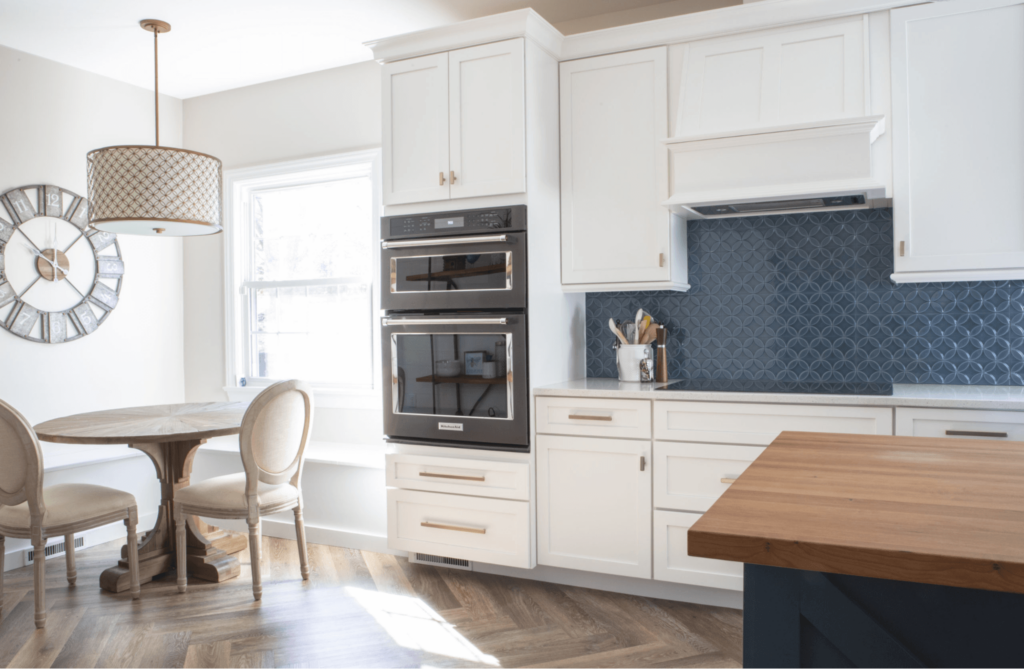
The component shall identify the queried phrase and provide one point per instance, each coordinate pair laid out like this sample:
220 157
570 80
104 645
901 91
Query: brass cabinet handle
972 433
903 247
439 526
440 176
726 479
661 260
582 417
451 173
453 476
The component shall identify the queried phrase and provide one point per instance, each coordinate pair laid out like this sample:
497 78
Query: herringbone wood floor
358 609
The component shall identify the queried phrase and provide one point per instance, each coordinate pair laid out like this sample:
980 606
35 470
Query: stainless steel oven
457 379
450 261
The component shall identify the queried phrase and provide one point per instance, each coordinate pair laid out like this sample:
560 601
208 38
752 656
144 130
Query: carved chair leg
39 562
69 555
255 554
1 575
179 543
133 550
300 536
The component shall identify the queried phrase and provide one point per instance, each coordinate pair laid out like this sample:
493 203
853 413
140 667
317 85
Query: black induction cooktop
792 387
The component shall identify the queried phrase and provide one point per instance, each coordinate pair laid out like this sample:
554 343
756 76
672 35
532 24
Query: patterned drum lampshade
154 190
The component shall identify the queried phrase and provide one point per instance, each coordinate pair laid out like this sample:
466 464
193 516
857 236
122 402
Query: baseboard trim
329 536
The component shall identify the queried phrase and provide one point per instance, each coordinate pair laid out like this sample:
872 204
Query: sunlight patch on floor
414 625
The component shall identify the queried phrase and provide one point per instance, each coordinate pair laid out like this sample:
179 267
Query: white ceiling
215 45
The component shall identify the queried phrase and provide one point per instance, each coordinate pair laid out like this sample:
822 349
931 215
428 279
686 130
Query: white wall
322 113
50 118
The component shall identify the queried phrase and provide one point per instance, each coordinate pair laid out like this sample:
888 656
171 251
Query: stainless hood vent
818 166
776 206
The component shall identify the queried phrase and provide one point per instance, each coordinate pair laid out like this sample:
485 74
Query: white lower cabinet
594 504
495 531
671 562
691 477
960 424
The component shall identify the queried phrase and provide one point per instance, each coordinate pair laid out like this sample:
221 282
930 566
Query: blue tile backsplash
808 297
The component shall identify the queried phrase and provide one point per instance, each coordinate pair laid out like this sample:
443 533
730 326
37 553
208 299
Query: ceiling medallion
154 190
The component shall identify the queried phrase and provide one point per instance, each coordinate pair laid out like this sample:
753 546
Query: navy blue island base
796 618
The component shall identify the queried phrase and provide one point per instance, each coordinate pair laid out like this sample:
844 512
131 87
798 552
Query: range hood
819 166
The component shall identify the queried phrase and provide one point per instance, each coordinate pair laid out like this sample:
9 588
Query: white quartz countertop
1005 398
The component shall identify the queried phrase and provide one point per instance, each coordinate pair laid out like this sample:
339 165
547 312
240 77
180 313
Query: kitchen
778 184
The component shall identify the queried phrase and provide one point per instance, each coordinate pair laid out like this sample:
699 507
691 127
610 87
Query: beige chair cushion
67 504
227 493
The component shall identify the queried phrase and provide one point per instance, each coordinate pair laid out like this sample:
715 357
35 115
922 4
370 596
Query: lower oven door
456 378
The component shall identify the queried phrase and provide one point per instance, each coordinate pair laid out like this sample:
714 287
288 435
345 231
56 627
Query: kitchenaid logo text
456 427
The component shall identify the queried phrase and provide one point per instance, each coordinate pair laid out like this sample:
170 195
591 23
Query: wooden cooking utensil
622 338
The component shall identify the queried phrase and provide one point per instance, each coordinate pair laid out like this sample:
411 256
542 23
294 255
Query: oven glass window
457 271
460 374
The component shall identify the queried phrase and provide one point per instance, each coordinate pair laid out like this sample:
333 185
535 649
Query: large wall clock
59 278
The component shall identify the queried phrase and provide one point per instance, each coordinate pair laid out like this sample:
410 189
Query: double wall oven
454 331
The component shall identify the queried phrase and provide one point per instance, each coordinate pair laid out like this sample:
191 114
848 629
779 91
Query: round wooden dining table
170 434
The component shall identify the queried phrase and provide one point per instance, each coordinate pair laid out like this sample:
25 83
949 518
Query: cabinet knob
451 173
440 176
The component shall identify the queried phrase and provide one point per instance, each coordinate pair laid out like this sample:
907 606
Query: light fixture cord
156 84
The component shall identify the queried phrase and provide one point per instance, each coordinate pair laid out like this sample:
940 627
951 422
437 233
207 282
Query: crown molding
716 23
520 23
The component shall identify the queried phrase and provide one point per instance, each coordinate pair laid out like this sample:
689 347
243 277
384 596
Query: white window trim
236 243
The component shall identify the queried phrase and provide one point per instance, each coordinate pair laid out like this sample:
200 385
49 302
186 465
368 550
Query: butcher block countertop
927 510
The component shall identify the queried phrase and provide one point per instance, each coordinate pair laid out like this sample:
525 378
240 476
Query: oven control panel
467 222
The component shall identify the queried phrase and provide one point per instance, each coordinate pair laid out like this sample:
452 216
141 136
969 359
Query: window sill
323 398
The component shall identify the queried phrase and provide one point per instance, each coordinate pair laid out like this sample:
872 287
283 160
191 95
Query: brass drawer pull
440 178
972 433
453 476
728 480
439 526
573 416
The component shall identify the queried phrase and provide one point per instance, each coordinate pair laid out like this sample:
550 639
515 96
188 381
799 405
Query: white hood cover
811 166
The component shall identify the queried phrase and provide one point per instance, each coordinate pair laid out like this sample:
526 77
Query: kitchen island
864 550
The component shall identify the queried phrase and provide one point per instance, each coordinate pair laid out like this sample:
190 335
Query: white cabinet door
614 114
594 504
415 97
673 563
487 117
817 72
958 140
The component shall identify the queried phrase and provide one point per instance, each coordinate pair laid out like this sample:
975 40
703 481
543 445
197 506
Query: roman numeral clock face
59 279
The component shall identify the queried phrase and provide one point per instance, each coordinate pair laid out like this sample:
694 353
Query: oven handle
387 322
444 241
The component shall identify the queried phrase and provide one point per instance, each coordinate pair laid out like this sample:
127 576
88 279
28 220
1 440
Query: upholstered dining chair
275 429
30 511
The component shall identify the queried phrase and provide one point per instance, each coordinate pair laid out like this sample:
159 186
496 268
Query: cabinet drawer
508 480
690 477
960 424
586 417
760 424
671 562
496 531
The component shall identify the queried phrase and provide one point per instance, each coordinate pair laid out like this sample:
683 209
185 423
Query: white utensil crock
628 357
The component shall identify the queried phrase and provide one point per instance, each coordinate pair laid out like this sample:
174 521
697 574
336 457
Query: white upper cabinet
454 124
616 235
778 77
415 95
486 115
958 141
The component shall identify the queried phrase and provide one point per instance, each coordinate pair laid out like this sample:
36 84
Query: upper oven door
457 378
447 273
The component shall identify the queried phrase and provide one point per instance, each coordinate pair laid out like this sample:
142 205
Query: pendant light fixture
154 190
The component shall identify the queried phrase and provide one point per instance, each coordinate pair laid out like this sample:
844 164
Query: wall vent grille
52 550
440 561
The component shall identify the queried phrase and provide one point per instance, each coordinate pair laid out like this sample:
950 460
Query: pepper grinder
661 371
